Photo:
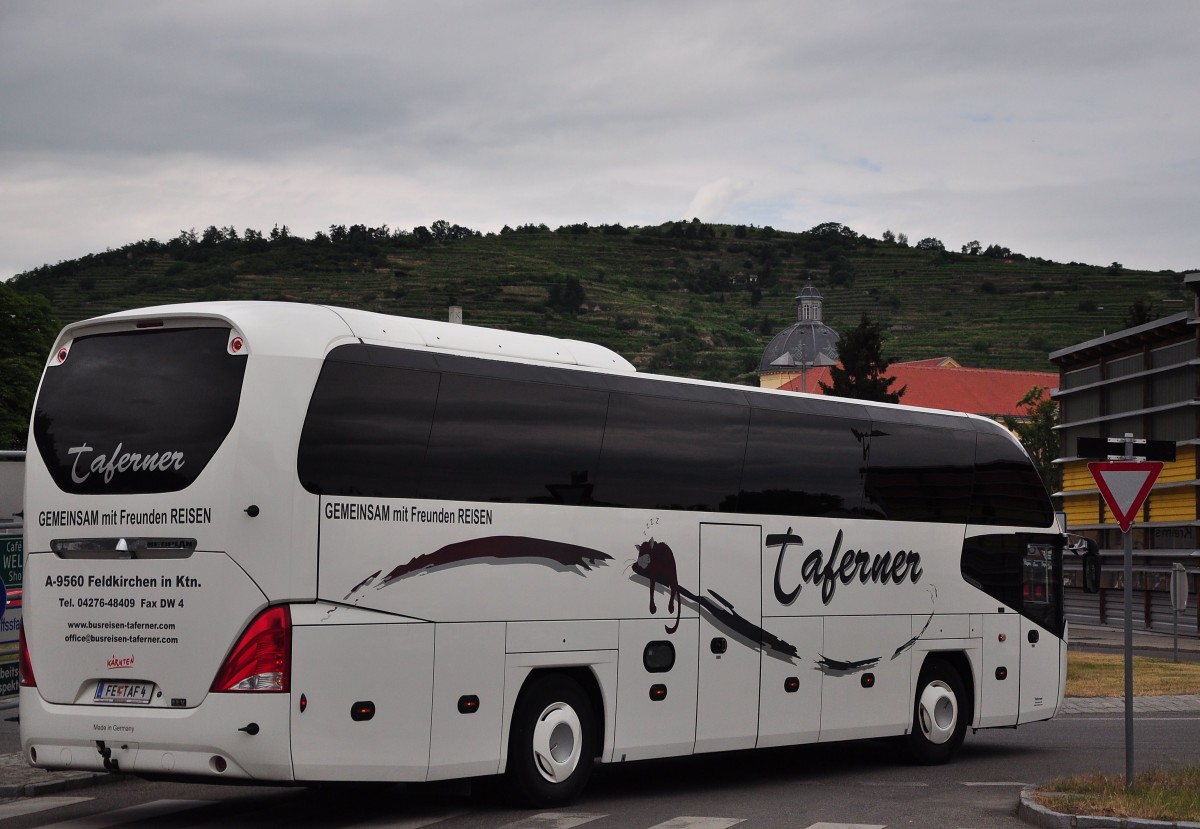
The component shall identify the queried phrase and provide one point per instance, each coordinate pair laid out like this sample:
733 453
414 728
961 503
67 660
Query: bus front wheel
551 745
939 714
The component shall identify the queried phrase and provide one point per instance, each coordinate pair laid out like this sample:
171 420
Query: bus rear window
137 412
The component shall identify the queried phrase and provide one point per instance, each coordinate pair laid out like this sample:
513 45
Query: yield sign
1125 485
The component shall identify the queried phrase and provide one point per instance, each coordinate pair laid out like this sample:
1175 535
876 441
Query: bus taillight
24 666
261 659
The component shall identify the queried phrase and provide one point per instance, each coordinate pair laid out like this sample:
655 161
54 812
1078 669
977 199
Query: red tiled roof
985 391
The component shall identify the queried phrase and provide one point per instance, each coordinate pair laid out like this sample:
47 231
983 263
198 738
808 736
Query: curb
1036 814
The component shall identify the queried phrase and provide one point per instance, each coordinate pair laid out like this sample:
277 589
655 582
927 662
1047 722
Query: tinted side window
1008 490
671 454
366 430
509 440
993 563
920 473
803 464
1018 570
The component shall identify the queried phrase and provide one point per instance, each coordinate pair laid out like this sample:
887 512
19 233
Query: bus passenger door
730 644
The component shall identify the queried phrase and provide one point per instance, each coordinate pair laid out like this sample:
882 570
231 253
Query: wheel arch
583 676
961 663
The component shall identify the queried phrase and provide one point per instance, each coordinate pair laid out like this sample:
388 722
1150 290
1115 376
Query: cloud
713 200
1060 129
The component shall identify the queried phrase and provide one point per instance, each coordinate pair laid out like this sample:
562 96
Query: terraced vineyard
682 298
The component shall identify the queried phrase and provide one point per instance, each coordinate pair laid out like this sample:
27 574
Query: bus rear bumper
227 737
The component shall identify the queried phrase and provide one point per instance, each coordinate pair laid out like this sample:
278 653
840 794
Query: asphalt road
863 784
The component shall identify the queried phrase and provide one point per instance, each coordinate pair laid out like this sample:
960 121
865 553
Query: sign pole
1128 639
1124 484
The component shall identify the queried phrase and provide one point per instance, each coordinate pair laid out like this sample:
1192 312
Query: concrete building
1145 381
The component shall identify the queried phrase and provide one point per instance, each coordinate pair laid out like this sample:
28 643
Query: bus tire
939 714
551 746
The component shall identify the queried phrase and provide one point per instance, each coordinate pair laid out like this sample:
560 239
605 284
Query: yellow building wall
1173 504
1076 476
1080 509
774 380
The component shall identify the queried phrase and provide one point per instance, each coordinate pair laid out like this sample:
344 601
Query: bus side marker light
217 763
1003 637
362 711
868 680
303 703
468 704
791 685
1002 673
658 692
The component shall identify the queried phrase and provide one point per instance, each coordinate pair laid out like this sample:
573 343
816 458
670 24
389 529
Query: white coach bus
293 543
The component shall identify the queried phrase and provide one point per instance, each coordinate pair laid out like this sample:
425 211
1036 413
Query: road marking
120 817
996 783
36 804
410 822
911 784
554 820
848 826
699 823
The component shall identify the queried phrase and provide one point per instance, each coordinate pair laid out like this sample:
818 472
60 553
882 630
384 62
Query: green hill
682 298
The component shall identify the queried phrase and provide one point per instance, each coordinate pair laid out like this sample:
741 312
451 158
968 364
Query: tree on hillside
1035 428
27 330
1140 313
861 372
567 297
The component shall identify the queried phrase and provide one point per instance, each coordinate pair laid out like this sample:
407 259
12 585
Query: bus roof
310 330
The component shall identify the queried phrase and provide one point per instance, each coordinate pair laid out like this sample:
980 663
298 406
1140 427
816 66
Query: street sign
12 564
1147 450
1179 588
1125 485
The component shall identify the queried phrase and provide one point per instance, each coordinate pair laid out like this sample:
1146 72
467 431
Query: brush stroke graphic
495 549
840 667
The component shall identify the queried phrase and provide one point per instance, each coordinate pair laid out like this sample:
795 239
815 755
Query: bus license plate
137 693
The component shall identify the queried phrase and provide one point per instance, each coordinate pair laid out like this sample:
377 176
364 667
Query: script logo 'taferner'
118 461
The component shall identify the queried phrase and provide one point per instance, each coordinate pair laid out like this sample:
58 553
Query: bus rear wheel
939 714
551 746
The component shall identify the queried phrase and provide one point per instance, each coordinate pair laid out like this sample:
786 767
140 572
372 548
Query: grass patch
1103 675
1157 794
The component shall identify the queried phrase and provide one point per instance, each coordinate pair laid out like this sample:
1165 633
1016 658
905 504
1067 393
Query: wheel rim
938 712
557 742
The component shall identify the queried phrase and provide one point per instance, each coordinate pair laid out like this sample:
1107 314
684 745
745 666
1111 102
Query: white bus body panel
728 696
336 667
1040 661
646 727
1001 650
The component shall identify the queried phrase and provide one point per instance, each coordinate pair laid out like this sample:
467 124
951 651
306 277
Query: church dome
807 342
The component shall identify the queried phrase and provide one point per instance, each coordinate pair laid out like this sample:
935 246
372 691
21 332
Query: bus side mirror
1091 572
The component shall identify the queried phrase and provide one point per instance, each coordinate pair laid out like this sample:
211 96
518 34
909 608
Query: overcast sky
1067 130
